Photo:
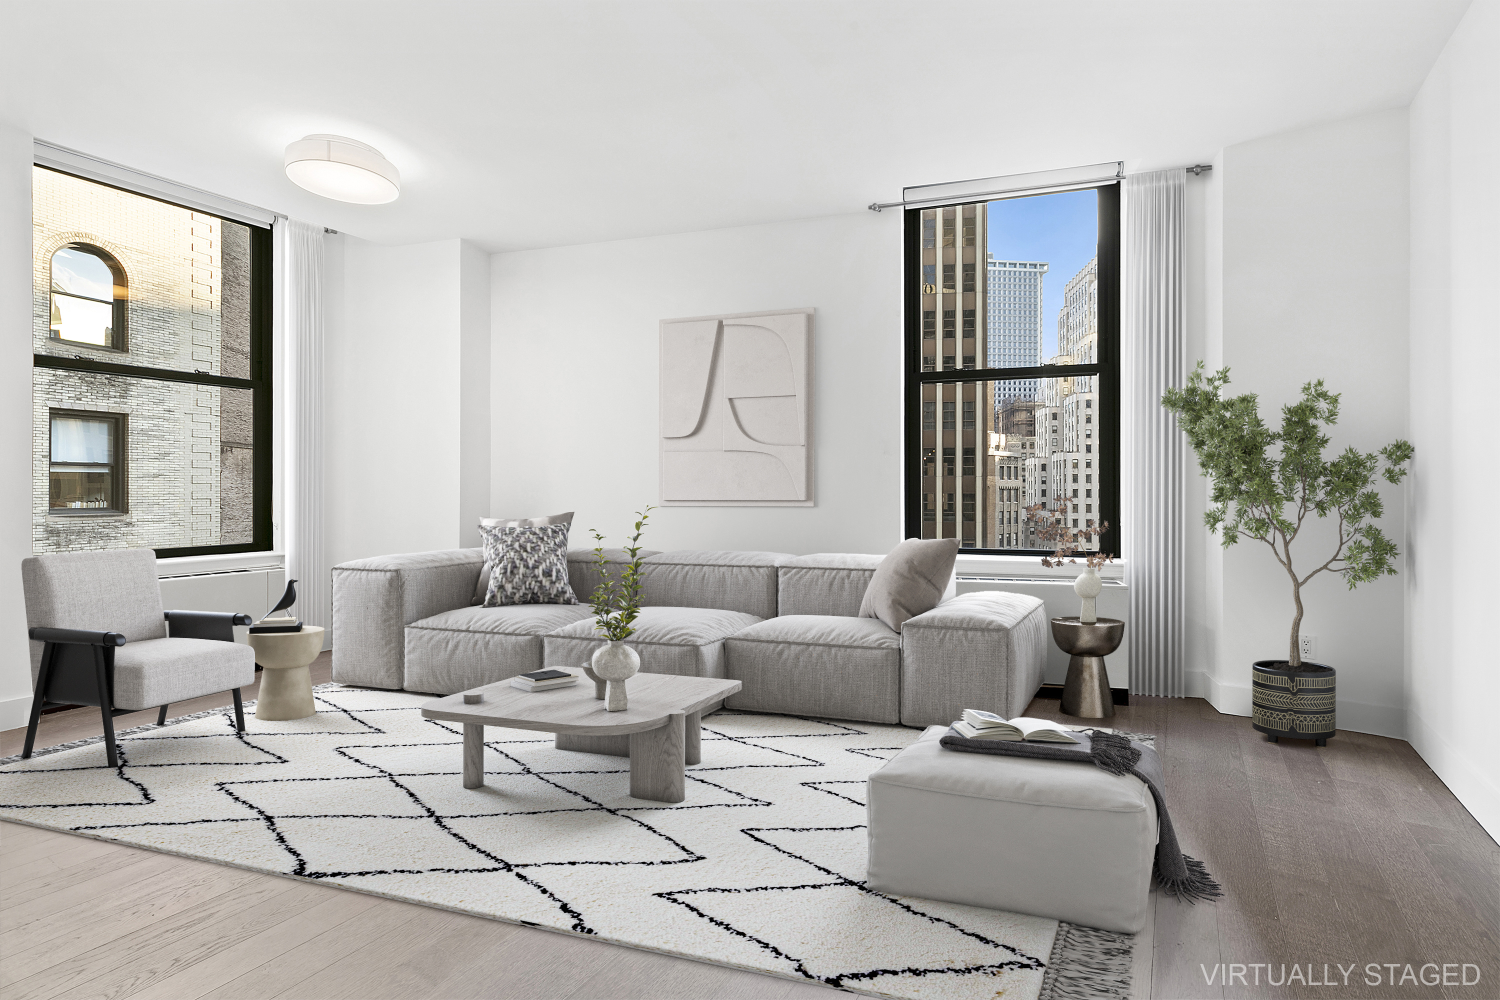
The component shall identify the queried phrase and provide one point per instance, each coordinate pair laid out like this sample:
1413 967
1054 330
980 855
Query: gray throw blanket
1175 873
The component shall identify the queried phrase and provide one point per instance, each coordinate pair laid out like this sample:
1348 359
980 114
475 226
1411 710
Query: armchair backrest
115 590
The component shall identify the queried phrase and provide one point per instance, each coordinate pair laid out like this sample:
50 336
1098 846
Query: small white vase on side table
285 681
1087 586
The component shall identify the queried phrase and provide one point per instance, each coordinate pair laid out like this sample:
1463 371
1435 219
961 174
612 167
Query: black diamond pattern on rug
762 866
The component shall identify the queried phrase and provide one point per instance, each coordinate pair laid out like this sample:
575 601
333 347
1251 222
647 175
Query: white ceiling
551 123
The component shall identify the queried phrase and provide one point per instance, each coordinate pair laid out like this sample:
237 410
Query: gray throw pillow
528 565
482 587
910 581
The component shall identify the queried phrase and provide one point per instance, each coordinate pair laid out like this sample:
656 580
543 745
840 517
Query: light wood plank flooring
1353 853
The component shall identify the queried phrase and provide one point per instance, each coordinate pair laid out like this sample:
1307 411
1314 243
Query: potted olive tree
1265 485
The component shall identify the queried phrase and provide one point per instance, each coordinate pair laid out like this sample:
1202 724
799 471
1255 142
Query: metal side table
1086 691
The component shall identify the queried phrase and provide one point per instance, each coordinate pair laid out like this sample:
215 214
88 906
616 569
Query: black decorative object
1293 701
287 599
286 623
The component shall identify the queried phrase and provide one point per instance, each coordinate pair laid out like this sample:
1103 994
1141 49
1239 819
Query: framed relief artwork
736 410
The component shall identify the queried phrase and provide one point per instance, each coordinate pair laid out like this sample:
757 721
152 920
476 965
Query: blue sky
1061 229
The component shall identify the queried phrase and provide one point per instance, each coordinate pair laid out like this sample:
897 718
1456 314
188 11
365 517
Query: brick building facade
186 457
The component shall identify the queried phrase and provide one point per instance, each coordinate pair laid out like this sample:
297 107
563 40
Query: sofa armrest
375 599
984 650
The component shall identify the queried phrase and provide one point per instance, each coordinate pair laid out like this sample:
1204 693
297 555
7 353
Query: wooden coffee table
659 732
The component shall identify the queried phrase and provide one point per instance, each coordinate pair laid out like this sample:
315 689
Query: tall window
1039 300
151 380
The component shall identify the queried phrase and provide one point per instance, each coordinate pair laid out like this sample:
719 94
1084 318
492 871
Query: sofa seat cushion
820 665
684 641
735 581
1075 843
155 672
472 646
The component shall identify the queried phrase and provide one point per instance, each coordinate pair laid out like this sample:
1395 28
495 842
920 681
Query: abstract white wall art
736 410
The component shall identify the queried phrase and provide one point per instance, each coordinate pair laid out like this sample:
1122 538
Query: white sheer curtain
301 255
1154 317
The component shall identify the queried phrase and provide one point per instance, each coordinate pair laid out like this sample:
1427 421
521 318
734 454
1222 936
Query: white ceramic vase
615 663
1087 586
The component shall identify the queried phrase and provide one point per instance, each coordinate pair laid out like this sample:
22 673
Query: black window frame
1106 370
118 473
259 382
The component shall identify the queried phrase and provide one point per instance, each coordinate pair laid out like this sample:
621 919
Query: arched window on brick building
89 293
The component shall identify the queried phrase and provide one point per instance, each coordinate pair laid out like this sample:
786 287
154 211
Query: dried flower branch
1053 528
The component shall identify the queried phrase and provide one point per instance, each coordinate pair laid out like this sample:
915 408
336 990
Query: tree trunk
1295 659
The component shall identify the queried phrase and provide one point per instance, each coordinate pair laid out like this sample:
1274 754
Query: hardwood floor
1345 855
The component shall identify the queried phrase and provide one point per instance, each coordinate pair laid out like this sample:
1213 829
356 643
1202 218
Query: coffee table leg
692 732
656 759
473 755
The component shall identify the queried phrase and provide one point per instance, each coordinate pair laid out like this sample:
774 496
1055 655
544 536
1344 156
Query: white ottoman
1052 838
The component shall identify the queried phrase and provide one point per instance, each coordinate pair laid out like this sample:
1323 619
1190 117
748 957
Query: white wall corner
1461 770
16 151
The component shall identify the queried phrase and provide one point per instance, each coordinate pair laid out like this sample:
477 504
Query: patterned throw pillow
528 565
482 585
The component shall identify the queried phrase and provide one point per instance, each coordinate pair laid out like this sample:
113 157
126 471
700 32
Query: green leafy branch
617 605
1265 483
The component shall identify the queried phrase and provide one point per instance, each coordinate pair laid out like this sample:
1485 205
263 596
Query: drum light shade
342 169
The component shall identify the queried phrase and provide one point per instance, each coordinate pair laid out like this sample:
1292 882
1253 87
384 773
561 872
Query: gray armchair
99 637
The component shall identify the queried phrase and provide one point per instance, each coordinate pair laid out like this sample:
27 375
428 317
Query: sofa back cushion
583 570
911 580
731 581
828 583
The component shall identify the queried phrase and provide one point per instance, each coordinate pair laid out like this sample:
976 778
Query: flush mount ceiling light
342 169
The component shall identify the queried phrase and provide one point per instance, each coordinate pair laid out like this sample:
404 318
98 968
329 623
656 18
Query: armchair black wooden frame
78 668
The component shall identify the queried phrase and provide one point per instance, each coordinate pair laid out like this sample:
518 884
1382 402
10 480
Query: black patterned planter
1296 702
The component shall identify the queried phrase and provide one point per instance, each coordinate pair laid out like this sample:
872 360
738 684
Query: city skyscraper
1013 312
1065 461
957 470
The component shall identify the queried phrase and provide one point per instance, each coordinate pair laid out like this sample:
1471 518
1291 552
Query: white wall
15 420
1453 667
1312 255
474 392
396 395
574 404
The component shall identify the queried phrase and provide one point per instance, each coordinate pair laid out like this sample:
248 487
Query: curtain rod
1119 175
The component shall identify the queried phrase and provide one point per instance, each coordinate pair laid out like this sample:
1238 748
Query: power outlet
1309 644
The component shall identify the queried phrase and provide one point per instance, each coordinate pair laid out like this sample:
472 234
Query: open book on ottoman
978 725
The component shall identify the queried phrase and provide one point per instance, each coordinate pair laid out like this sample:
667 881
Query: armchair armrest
82 637
980 650
204 624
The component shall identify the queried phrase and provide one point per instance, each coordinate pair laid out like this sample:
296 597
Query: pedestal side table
1086 691
285 681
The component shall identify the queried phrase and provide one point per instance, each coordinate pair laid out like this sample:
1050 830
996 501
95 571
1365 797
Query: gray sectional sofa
787 627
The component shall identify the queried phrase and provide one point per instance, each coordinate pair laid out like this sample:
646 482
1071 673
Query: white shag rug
761 868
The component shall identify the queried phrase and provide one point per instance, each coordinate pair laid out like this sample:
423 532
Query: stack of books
978 725
543 680
287 624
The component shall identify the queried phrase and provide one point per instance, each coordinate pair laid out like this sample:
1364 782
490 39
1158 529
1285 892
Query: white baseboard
14 712
1355 716
1477 790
